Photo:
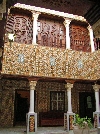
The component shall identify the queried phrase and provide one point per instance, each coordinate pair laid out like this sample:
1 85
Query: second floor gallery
51 48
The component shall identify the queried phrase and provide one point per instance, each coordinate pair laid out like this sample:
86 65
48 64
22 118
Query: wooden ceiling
90 9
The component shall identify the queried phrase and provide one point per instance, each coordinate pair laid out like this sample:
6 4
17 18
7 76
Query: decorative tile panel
95 121
32 123
65 121
37 62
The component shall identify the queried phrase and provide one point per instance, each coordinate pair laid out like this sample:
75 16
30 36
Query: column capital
67 22
96 87
68 86
32 85
35 15
89 27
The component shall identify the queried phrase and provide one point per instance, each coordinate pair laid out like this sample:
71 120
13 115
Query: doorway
86 104
21 106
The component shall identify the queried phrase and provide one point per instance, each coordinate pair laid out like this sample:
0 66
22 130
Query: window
89 103
57 101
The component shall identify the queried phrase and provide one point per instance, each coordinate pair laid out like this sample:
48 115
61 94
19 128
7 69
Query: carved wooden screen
80 38
51 33
21 26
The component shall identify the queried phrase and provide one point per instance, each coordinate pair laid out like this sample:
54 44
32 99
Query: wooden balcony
41 61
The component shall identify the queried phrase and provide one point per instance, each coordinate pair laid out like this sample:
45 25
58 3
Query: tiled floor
40 130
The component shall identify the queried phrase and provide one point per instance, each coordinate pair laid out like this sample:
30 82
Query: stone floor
40 130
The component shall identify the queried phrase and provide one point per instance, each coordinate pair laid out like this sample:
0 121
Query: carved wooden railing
50 32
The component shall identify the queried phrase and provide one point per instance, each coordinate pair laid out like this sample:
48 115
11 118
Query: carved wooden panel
51 33
79 37
10 23
21 26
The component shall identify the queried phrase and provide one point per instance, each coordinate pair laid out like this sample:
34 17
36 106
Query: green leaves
83 122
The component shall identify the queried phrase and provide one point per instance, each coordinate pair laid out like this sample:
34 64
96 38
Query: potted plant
81 125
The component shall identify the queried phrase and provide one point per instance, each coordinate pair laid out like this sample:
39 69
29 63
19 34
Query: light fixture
11 38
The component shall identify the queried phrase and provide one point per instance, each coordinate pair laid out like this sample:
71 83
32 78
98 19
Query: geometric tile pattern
32 123
65 121
68 63
7 98
42 97
43 94
95 121
6 110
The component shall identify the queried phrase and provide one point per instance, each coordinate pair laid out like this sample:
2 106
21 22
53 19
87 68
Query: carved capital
67 22
96 87
32 85
35 15
68 86
89 28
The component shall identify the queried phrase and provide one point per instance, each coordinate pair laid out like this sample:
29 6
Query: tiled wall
68 63
43 94
7 97
77 88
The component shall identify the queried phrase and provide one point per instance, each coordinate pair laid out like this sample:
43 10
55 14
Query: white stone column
91 38
96 114
66 23
35 17
70 116
68 87
32 88
96 88
31 116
